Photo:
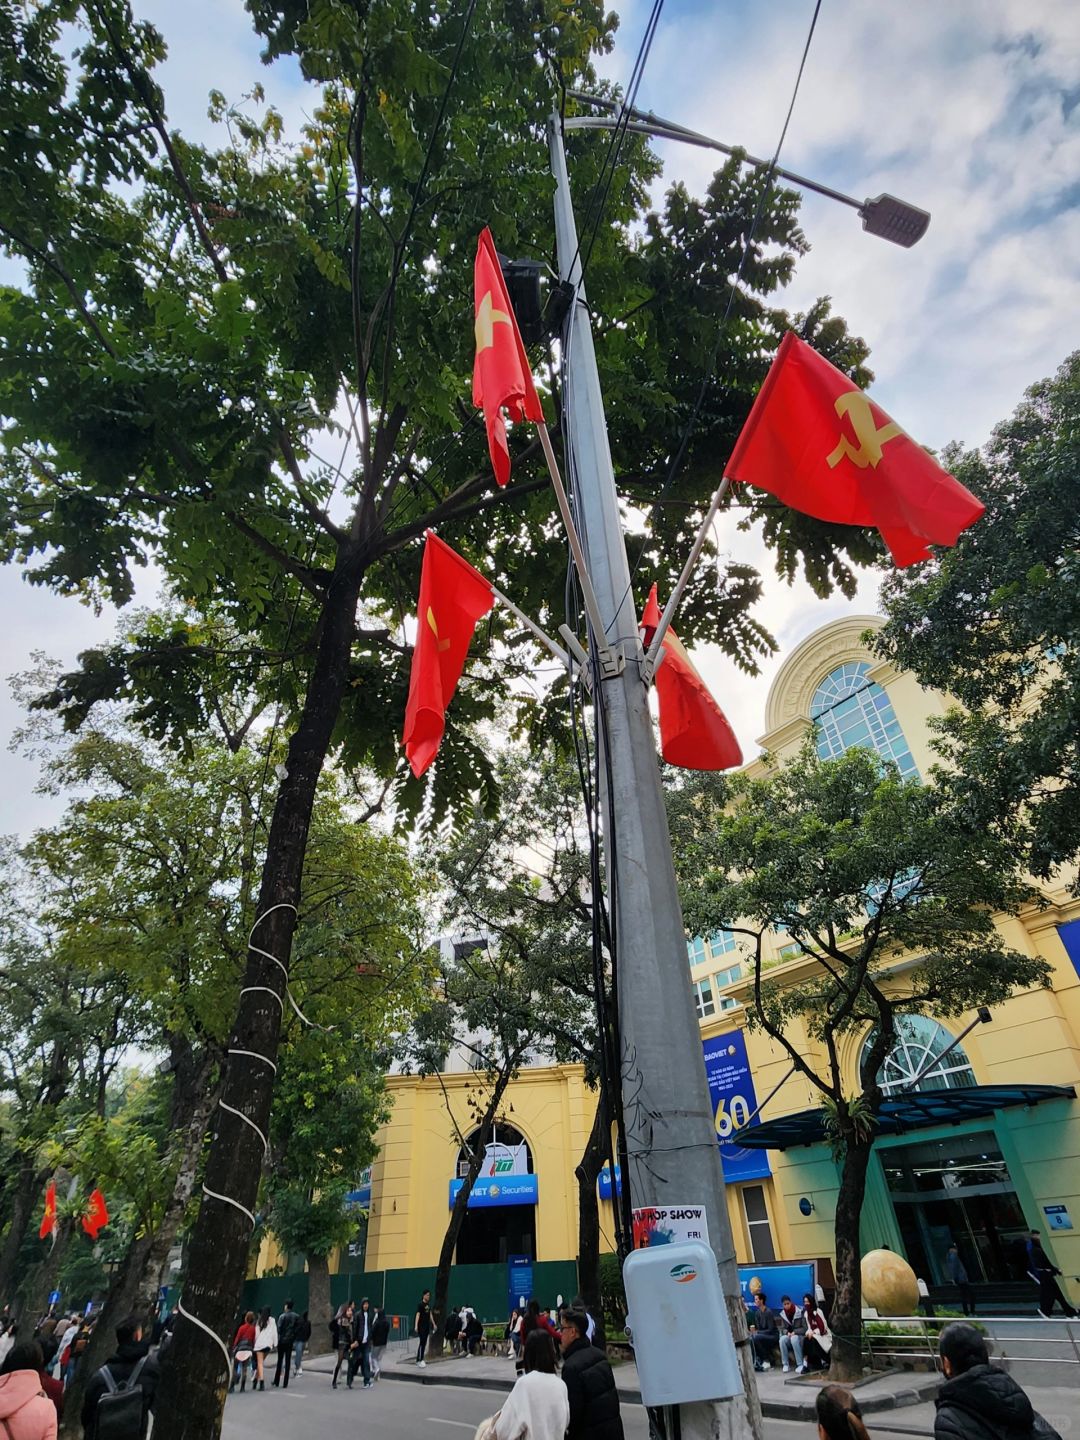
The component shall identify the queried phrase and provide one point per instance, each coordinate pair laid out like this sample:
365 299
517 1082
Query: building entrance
487 1237
494 1226
956 1191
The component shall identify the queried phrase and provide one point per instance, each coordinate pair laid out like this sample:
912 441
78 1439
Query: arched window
919 1041
849 708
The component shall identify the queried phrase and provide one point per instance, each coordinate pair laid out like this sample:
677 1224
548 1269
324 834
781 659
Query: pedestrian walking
817 1343
288 1330
839 1416
1044 1272
792 1325
360 1349
302 1338
26 1412
243 1351
978 1401
958 1276
590 1384
112 1390
342 1333
266 1340
422 1327
766 1336
380 1338
538 1407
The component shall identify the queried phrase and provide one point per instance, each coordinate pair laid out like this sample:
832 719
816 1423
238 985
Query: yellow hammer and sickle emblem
856 407
487 317
440 645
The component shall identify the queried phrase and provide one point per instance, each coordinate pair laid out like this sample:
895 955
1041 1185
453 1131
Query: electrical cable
763 198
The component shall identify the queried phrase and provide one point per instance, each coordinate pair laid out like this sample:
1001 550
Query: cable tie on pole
228 1200
247 1121
207 1331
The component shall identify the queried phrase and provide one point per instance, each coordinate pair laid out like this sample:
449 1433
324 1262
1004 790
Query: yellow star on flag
487 317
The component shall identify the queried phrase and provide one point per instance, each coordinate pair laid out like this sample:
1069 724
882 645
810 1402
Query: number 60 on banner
732 1113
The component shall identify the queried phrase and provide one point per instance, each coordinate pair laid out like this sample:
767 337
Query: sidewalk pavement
783 1397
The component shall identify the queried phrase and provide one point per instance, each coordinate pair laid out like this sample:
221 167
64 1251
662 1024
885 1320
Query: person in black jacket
978 1401
131 1348
380 1338
590 1383
288 1330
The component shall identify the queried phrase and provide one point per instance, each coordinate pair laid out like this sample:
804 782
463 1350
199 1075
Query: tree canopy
995 622
864 872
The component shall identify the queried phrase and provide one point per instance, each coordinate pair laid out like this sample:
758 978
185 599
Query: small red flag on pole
694 732
453 597
818 443
48 1220
97 1215
502 378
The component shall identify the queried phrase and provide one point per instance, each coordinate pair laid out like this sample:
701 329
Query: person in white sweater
537 1408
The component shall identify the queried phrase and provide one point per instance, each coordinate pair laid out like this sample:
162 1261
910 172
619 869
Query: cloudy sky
970 109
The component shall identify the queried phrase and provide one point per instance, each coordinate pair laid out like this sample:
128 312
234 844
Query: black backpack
119 1414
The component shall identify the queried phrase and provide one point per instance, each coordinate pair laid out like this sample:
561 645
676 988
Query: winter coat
983 1404
54 1389
28 1413
266 1335
380 1330
794 1324
538 1408
288 1327
120 1366
591 1392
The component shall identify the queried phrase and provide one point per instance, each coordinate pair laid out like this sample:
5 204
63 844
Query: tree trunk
846 1318
597 1149
196 1368
28 1186
457 1215
33 1297
134 1288
320 1312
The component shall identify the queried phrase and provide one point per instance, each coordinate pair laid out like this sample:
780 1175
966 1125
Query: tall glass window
919 1043
849 708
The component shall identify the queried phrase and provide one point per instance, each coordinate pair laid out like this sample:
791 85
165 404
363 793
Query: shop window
762 1249
849 709
919 1043
703 999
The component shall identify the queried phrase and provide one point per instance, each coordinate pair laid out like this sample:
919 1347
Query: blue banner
500 1190
361 1196
777 1280
605 1181
734 1100
519 1281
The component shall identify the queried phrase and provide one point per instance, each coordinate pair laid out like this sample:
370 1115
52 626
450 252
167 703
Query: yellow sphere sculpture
889 1283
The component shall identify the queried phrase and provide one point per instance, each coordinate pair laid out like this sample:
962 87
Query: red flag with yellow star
816 442
502 379
97 1214
48 1220
694 731
453 597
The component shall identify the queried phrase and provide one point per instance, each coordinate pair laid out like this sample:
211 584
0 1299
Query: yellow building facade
983 1181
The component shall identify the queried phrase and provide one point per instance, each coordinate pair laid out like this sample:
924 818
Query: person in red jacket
243 1349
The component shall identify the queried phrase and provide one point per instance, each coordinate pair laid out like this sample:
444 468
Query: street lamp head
894 220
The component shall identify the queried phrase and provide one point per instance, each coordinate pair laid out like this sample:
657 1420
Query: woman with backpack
26 1412
265 1342
243 1351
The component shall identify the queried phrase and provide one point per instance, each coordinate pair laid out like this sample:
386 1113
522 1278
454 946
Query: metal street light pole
672 1151
885 215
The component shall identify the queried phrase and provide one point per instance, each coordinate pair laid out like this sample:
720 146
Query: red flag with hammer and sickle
818 443
502 379
694 731
453 597
97 1214
48 1220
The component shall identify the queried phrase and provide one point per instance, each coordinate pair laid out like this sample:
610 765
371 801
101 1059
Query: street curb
771 1409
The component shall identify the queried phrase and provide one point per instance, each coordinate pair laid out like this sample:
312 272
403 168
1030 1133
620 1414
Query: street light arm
884 215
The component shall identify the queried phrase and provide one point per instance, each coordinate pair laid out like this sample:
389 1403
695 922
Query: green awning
915 1110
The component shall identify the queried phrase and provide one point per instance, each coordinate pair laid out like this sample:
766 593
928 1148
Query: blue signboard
605 1181
361 1196
734 1100
1070 938
54 1298
777 1280
519 1281
499 1190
